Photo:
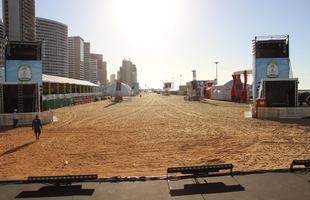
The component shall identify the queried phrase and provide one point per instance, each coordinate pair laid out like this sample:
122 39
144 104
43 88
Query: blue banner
272 68
24 71
266 68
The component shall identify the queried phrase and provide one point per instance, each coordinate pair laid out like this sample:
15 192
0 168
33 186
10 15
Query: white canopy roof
125 90
57 79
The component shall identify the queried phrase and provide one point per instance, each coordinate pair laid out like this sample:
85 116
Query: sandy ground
144 136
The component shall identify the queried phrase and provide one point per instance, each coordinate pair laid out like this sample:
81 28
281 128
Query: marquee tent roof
57 79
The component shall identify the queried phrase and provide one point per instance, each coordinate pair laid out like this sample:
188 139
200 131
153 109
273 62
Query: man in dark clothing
36 127
15 119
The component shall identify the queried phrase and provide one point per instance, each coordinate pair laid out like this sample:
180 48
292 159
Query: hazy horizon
169 38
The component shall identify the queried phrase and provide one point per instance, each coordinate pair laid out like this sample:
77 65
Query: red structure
207 89
239 91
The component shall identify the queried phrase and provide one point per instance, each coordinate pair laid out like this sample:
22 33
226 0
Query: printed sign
272 70
24 71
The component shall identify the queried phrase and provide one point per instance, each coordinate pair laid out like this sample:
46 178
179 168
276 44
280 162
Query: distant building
134 74
1 29
118 75
19 19
112 79
96 63
2 45
76 57
87 75
128 73
102 73
101 70
93 69
54 38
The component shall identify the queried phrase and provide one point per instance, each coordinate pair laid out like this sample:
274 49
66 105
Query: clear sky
169 38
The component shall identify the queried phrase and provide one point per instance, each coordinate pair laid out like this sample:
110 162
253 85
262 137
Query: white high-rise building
76 57
2 43
54 38
112 79
100 70
87 71
93 69
128 73
19 19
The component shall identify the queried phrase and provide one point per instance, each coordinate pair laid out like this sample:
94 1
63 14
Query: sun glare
146 19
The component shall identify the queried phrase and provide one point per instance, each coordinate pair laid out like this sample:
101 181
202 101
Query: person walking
15 119
36 127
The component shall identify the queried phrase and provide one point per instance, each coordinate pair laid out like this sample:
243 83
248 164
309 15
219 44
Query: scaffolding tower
1 99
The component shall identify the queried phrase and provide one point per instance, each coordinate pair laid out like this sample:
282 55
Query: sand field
144 136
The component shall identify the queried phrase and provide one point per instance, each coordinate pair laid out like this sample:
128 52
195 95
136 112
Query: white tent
57 79
125 90
222 92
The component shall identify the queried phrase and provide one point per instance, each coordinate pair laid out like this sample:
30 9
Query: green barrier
59 103
44 105
56 103
62 103
69 101
51 104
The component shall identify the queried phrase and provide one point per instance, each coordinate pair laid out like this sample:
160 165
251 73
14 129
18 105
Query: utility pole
216 62
180 79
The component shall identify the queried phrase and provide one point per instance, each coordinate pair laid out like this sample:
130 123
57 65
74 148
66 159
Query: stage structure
22 87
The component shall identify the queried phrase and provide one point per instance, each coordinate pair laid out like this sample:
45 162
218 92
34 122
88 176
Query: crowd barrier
26 118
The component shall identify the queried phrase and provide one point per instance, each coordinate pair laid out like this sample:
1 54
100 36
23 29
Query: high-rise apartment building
2 54
76 57
112 79
54 38
93 69
119 74
102 74
87 74
1 29
19 19
98 70
134 74
2 43
128 73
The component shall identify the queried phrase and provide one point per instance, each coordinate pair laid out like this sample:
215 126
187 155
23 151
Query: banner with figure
24 71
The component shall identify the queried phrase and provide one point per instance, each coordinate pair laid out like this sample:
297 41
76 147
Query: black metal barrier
305 163
198 171
60 180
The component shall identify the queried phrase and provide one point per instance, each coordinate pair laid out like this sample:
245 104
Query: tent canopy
57 79
125 90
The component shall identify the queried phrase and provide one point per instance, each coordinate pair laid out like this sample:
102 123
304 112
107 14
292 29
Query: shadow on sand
5 128
209 103
301 122
17 148
111 104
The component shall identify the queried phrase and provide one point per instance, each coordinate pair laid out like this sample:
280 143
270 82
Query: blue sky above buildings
169 38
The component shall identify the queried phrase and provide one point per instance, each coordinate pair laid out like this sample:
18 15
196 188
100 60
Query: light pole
216 62
180 79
